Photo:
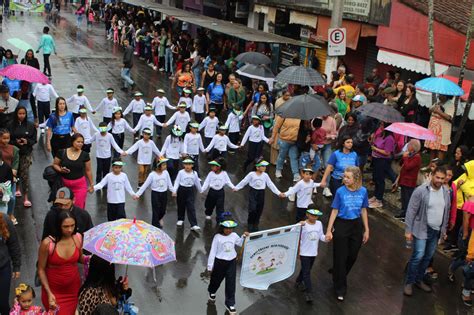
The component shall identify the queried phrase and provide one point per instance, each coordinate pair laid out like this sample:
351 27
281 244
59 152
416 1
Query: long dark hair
60 217
344 138
55 115
16 122
101 275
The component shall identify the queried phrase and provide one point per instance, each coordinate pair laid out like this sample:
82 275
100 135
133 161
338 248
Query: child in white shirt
160 103
180 118
78 101
199 105
117 126
219 143
136 106
147 120
108 104
186 98
210 125
173 149
192 144
234 119
86 127
256 136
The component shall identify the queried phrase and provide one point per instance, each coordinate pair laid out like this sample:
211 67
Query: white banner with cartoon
269 256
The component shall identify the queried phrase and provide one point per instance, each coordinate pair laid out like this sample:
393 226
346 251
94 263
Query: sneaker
278 174
231 309
195 228
292 198
208 217
408 290
296 177
179 223
315 190
42 131
466 300
375 204
423 286
340 298
372 199
162 69
327 193
162 223
154 68
211 298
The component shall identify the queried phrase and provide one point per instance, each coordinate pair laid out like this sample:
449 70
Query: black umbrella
381 112
259 72
301 76
305 107
254 58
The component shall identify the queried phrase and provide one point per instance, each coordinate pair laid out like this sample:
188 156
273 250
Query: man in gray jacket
127 65
426 220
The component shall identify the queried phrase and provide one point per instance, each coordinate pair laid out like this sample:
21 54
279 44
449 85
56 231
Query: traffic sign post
337 41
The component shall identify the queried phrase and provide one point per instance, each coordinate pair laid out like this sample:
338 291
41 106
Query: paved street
375 284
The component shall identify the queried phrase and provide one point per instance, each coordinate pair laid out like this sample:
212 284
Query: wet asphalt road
375 284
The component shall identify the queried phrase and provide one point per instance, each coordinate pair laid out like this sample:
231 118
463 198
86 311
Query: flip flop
14 221
27 204
18 193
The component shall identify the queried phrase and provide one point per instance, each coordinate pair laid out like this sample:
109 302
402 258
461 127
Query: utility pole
336 21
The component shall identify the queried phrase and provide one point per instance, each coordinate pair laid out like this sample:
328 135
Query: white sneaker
278 174
208 217
291 198
296 178
154 68
195 228
315 190
179 223
327 192
231 310
162 69
162 223
212 297
42 131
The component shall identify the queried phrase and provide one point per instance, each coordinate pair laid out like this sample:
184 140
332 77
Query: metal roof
221 26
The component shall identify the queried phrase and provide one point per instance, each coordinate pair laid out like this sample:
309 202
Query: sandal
18 193
27 204
14 221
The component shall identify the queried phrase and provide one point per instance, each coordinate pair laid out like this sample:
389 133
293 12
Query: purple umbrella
24 73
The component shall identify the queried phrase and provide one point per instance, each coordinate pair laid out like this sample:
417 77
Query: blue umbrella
439 86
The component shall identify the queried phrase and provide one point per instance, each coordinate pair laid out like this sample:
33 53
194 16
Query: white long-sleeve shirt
303 191
147 122
172 148
187 179
120 126
160 104
217 181
223 247
104 143
135 106
86 128
259 182
157 182
75 102
107 105
181 119
220 143
233 122
210 126
145 151
44 92
311 234
116 186
254 134
199 104
192 144
187 100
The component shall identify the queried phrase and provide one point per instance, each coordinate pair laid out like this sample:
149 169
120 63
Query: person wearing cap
117 182
200 105
180 118
136 106
210 125
107 105
220 143
184 189
215 181
160 103
258 180
255 134
304 193
311 233
192 144
78 101
186 98
173 149
215 94
86 127
234 119
117 126
146 148
147 120
43 94
222 262
160 182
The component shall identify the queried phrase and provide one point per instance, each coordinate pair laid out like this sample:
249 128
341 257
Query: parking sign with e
337 41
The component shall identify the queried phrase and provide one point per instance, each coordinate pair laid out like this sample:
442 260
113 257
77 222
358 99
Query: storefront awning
408 62
305 19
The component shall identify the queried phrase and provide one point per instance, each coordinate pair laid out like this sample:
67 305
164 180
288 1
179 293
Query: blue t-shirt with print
61 126
349 203
340 161
216 93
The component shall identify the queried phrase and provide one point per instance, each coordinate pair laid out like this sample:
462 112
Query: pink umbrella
411 130
24 73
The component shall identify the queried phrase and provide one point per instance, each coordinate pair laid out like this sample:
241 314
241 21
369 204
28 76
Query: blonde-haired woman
350 224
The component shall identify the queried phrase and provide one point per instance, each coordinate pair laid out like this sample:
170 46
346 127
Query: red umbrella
411 130
24 73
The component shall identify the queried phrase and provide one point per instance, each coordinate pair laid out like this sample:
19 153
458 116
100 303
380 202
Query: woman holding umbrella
442 114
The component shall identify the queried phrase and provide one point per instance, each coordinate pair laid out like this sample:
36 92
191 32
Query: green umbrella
20 44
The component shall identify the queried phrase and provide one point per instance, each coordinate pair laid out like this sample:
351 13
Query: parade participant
74 165
146 148
136 106
222 262
180 118
24 297
185 97
107 105
147 120
220 143
184 191
60 125
311 233
192 144
10 259
258 180
117 126
215 181
85 127
255 135
78 101
117 182
210 125
11 157
48 46
304 192
160 103
103 150
43 94
348 226
173 149
160 182
234 119
200 105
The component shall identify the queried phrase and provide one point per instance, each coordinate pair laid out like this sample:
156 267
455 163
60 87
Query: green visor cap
83 111
188 161
103 129
308 170
80 90
148 108
161 91
182 105
147 131
201 89
118 163
223 127
194 125
314 212
215 163
138 94
109 91
117 109
262 163
187 91
162 160
256 117
229 224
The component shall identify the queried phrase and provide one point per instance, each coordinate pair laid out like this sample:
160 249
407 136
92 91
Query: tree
431 37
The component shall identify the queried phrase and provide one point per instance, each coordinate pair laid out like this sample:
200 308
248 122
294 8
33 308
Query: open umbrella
130 242
305 107
411 130
254 58
19 43
300 75
259 72
385 113
24 73
439 86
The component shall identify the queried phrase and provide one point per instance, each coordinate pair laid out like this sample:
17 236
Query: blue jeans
197 76
169 60
79 20
468 272
305 160
125 74
423 251
326 152
287 148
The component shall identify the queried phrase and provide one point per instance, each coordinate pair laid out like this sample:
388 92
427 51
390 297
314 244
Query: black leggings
47 66
254 152
5 281
59 142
